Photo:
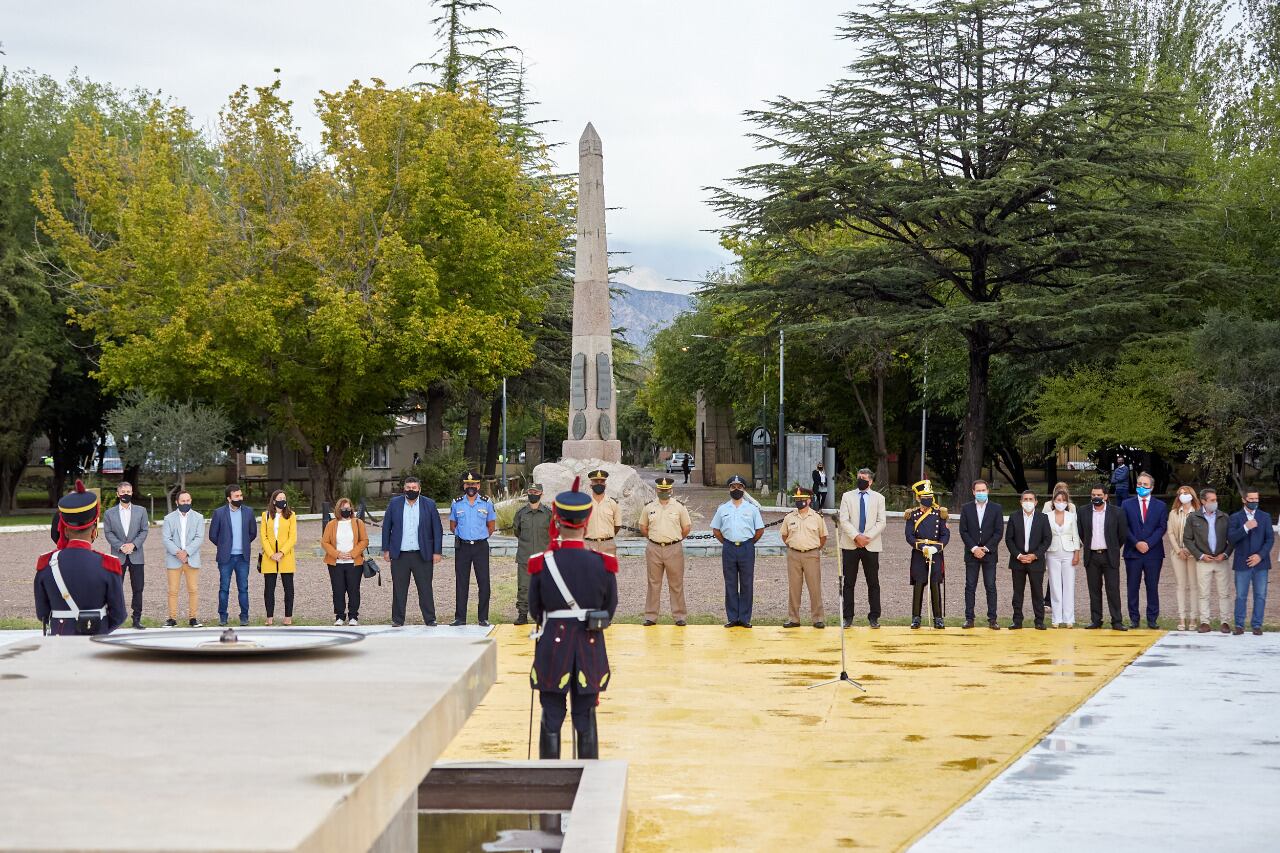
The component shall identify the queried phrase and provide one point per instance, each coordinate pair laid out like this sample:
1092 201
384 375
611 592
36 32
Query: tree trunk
495 429
475 410
10 476
975 419
1050 463
1009 461
333 469
437 397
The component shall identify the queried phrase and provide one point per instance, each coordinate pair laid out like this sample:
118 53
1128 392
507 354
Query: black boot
935 603
548 745
522 618
589 739
917 601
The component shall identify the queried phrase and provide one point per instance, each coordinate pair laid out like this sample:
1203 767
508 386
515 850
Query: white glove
929 550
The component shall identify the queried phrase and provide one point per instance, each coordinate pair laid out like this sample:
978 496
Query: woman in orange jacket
344 540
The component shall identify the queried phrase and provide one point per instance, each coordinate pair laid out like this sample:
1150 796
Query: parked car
675 464
1081 465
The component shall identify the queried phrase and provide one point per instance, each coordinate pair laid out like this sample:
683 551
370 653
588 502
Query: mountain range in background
642 313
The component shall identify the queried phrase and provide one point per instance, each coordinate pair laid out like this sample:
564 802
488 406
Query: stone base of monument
625 485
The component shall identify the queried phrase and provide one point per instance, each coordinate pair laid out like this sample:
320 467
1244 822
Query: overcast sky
664 82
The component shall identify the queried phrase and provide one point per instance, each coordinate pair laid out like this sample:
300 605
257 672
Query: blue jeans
1258 577
239 564
739 565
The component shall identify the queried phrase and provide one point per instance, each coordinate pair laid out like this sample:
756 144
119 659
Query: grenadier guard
472 520
573 593
79 590
927 533
606 516
665 523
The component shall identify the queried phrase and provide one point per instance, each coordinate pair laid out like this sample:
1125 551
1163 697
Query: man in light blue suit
1252 536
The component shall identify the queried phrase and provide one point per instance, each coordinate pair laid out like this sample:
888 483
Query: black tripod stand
844 673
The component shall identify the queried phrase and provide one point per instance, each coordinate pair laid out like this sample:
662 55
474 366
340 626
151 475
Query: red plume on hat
80 489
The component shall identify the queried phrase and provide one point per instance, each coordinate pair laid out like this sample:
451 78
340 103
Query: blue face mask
1143 491
980 497
1251 505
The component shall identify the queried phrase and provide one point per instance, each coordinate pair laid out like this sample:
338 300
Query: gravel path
704 585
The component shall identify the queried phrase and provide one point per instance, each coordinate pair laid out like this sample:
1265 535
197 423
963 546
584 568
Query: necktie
1144 510
862 513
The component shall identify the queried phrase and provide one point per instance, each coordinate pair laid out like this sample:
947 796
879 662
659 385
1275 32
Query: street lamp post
504 435
783 485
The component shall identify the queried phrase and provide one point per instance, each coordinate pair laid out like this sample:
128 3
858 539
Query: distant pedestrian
665 523
860 526
685 465
183 534
606 516
532 529
232 532
1252 536
1147 518
125 527
1206 537
1185 505
820 487
277 560
472 520
1120 480
804 532
344 541
738 525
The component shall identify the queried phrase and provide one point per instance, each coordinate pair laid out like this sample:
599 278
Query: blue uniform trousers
739 565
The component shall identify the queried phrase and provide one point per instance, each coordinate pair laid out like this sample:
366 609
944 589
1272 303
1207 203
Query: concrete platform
108 750
1180 752
727 749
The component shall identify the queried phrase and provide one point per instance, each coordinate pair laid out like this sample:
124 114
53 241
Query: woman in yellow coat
279 538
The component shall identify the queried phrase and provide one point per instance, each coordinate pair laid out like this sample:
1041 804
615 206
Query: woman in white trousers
1185 504
1062 558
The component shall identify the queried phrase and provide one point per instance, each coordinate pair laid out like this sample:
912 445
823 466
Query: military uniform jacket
567 652
927 524
93 579
532 529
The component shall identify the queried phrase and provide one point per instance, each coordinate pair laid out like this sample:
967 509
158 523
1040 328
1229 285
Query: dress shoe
1120 626
731 624
993 625
680 623
457 623
1152 626
968 623
1093 626
1204 628
1226 629
1016 626
819 624
790 624
1135 625
847 623
1238 631
649 622
432 624
915 622
400 624
137 625
745 624
483 623
937 623
222 623
1040 626
875 623
244 621
1257 632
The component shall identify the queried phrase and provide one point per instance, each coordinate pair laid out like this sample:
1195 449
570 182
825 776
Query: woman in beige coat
1185 504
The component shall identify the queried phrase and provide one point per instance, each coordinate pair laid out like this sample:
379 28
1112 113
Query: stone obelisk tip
589 132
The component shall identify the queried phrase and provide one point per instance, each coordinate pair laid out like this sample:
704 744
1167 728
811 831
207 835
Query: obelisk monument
593 405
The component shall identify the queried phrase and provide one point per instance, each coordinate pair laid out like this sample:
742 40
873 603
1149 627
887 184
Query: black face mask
184 508
1251 505
598 488
124 499
236 503
472 490
533 499
411 494
926 502
801 504
863 485
736 494
281 504
1097 501
346 512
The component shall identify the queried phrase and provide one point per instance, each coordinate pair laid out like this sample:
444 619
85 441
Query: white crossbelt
573 611
75 611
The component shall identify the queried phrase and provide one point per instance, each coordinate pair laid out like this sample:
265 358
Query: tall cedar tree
1014 185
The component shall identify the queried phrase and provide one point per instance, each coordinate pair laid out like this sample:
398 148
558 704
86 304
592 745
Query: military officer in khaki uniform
665 523
804 532
606 516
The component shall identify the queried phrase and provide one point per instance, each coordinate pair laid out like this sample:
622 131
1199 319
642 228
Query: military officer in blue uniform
79 590
570 588
927 534
472 519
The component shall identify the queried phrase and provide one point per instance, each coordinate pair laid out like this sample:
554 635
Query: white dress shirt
1098 542
981 510
126 513
1028 518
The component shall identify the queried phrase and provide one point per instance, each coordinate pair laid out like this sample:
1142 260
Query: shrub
440 472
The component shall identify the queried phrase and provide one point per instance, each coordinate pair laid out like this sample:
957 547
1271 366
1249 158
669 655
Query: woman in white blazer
1063 557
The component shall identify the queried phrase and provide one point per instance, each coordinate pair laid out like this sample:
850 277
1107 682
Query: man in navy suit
981 529
1146 518
232 531
412 537
1251 534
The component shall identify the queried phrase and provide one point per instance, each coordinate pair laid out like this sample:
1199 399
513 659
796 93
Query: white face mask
1028 506
1184 498
1060 505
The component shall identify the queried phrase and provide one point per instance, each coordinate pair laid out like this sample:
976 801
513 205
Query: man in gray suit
183 534
125 527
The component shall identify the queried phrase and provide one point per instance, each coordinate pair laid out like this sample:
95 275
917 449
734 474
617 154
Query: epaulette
43 562
610 563
459 498
944 512
535 564
111 564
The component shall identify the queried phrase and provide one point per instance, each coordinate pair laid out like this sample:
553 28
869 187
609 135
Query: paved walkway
1180 752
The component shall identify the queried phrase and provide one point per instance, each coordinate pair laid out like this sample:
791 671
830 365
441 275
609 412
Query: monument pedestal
592 449
625 485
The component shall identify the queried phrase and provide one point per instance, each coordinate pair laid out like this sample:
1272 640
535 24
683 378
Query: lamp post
504 435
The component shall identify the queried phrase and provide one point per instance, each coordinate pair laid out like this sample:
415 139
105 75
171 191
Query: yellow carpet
729 751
